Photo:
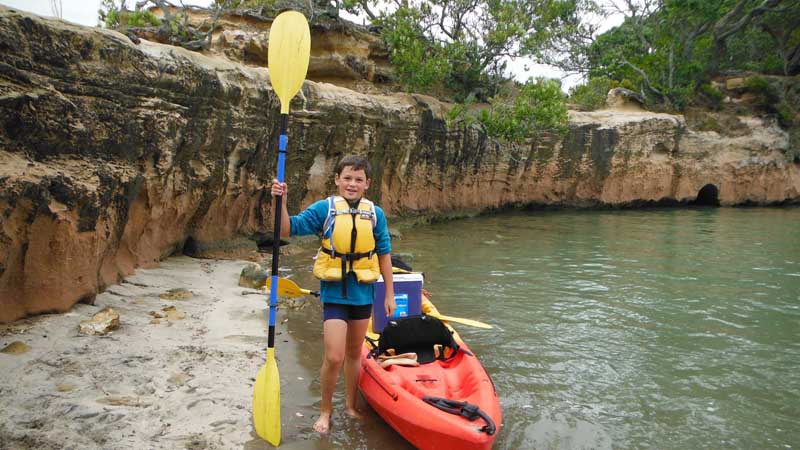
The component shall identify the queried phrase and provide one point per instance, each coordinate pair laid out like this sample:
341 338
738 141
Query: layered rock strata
342 52
114 156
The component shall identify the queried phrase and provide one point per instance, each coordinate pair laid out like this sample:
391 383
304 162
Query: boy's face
352 183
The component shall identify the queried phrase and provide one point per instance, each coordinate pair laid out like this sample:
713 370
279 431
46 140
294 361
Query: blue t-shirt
310 221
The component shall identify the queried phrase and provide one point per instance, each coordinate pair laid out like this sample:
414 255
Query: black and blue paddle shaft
276 236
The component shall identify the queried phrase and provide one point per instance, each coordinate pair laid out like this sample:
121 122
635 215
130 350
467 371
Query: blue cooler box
407 295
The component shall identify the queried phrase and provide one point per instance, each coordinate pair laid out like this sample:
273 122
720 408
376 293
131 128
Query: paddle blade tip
288 55
267 401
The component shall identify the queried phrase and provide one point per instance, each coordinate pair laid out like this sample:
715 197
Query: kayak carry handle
463 409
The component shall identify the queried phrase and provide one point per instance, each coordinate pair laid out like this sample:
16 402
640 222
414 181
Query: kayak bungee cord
463 409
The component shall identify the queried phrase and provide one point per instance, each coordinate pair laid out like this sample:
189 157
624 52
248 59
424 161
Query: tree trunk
791 62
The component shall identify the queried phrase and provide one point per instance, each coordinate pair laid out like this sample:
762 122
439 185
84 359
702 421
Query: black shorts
345 312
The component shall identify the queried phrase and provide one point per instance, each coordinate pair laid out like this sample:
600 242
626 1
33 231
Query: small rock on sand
101 323
176 294
16 348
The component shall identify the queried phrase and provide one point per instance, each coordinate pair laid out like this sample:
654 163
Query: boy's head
353 176
355 162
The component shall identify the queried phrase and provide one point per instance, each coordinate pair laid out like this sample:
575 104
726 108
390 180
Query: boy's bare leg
356 329
335 335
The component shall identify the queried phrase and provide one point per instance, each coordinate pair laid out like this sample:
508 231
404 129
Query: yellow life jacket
348 244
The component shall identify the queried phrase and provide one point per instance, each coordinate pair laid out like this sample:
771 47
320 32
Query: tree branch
644 76
720 33
365 8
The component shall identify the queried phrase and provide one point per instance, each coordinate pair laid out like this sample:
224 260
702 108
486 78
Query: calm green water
669 329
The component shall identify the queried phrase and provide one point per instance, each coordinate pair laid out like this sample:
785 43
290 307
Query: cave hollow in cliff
708 195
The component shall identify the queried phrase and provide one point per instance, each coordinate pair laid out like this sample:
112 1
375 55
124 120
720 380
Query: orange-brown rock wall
115 155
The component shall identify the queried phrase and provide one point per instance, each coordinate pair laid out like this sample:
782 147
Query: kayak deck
453 379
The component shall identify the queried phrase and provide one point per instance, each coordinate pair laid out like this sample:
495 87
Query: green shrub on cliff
117 19
173 28
767 95
713 97
772 98
592 94
419 63
518 112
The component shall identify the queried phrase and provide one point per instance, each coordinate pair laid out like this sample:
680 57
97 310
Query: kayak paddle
288 288
470 322
288 55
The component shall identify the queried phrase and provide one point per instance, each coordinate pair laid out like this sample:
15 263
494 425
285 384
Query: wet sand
169 383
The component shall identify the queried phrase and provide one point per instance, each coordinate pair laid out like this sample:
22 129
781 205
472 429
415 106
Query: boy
355 250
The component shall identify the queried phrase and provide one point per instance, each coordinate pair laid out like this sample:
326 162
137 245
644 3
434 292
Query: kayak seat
424 335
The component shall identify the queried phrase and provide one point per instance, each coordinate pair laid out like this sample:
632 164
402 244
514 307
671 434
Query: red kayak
428 385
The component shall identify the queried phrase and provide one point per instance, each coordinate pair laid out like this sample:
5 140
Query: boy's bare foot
323 424
352 412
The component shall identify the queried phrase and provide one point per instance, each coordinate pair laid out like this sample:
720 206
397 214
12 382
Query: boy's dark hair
355 162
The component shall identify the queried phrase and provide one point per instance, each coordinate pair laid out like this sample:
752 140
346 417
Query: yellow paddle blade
470 322
267 401
288 288
288 54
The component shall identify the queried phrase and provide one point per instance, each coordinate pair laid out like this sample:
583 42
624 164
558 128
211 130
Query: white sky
84 12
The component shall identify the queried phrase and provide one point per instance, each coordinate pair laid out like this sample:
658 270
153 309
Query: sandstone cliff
115 155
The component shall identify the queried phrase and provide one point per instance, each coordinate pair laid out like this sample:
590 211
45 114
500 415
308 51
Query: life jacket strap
366 213
344 277
346 257
332 213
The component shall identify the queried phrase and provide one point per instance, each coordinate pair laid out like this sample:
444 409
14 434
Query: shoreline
181 381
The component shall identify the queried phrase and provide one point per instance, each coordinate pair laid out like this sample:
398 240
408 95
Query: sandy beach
183 380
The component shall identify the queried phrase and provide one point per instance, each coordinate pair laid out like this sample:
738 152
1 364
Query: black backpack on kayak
424 335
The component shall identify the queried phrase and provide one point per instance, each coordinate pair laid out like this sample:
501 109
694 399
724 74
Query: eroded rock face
110 153
115 155
342 52
621 98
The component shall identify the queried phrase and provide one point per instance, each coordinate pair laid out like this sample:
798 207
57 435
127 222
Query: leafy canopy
463 46
670 50
459 49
